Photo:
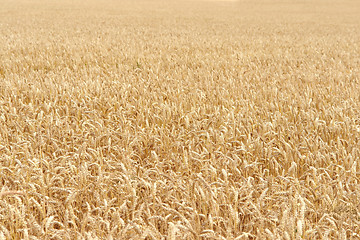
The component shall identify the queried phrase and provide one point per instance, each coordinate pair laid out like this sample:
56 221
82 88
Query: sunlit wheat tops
179 119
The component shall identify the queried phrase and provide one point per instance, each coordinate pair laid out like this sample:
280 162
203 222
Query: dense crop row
179 120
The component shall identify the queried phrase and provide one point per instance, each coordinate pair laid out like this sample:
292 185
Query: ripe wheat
179 119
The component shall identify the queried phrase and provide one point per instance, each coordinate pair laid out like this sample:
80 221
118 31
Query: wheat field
180 119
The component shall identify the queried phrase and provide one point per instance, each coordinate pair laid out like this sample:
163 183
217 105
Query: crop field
180 119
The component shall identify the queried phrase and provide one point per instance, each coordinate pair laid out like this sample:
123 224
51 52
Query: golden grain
179 119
